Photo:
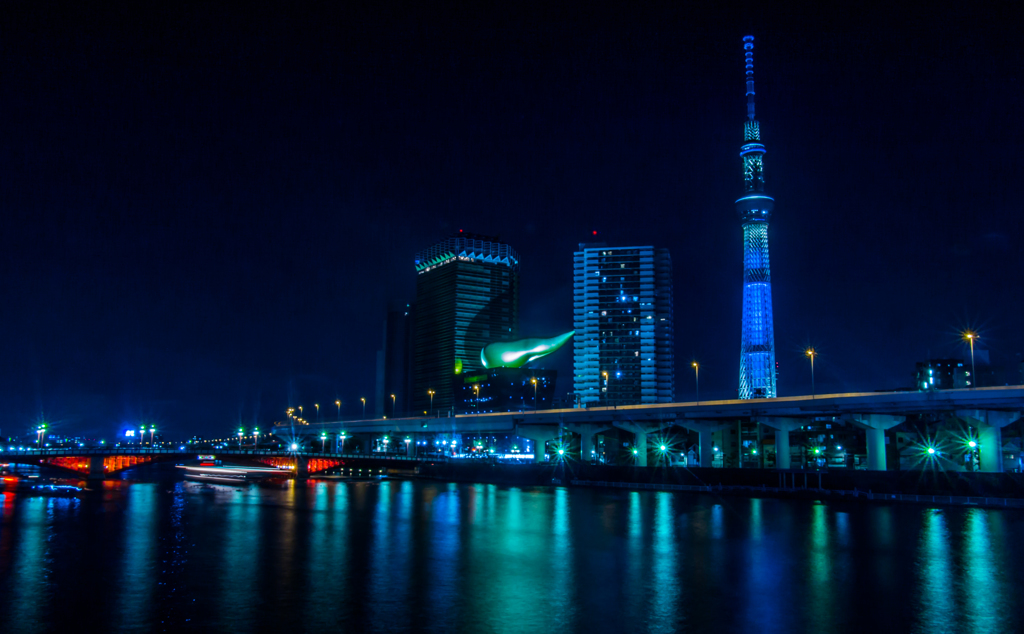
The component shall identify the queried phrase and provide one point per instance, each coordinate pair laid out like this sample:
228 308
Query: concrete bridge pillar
990 442
587 443
539 435
640 444
640 433
874 426
990 425
782 427
301 467
96 470
782 455
706 444
876 449
705 437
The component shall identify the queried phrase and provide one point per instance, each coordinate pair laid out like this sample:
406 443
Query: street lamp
364 406
407 445
696 377
317 406
152 431
323 442
255 438
476 390
241 433
534 381
810 352
342 442
970 336
430 393
393 402
338 403
142 435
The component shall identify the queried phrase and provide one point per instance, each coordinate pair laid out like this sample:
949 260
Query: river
407 555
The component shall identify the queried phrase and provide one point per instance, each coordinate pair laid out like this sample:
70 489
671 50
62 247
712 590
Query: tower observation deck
757 347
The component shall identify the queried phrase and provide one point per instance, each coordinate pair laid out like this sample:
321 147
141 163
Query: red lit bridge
101 462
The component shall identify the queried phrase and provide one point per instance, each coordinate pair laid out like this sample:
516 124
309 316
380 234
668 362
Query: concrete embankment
929 486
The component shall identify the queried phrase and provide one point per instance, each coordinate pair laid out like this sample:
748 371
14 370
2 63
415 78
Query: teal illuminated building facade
757 339
467 296
622 314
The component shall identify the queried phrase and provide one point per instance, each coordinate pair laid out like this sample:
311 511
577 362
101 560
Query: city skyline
202 231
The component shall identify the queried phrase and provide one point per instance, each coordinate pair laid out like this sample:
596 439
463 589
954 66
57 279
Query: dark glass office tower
467 296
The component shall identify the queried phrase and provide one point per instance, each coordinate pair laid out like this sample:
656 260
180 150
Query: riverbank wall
871 484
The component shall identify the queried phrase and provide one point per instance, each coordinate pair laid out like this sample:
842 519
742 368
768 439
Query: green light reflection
665 587
935 574
985 605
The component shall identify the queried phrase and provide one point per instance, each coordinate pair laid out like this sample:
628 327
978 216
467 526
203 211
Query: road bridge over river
99 462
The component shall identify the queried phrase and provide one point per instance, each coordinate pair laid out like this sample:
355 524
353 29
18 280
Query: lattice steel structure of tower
757 347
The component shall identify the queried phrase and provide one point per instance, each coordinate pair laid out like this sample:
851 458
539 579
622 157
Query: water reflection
327 572
983 582
240 566
936 607
407 555
819 569
27 588
664 566
561 562
138 565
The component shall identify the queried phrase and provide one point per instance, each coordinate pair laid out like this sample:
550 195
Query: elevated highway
989 409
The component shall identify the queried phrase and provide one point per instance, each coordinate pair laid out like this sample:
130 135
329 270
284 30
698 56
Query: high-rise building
467 296
757 340
394 365
622 313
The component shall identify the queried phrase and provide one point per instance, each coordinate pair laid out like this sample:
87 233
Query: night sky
206 212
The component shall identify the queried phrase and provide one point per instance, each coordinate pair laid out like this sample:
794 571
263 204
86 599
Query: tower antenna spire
748 54
757 347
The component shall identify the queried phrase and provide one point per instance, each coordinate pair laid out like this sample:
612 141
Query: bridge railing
136 451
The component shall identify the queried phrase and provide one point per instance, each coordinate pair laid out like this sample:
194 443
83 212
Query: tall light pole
241 432
430 393
317 406
323 442
342 442
338 403
970 336
364 407
476 391
255 438
152 432
393 404
811 353
696 377
534 381
142 435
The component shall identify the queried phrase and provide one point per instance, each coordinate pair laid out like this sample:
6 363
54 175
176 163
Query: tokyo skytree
757 347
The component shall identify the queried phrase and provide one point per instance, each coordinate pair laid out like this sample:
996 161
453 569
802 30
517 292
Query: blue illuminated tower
757 347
